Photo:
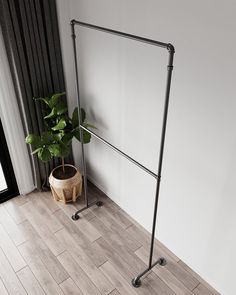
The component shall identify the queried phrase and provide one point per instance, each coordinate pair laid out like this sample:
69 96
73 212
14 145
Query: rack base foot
162 261
76 215
99 203
136 282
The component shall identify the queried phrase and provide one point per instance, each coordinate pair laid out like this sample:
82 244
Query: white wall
122 87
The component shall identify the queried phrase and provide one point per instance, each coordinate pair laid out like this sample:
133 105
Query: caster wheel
75 217
136 282
162 261
99 203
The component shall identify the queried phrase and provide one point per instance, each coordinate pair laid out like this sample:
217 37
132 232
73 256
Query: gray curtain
31 36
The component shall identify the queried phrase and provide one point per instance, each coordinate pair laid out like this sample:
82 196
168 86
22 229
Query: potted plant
65 180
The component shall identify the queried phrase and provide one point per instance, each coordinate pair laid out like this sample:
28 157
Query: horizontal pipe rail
122 34
120 152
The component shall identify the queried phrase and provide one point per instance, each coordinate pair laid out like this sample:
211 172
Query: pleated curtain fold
31 37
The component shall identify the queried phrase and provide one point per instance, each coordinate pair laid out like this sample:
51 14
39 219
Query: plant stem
63 164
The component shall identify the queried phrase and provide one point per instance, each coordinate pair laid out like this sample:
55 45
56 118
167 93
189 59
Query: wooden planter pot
66 188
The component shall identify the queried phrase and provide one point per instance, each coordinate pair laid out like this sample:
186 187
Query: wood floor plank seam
119 248
180 283
78 275
10 226
33 276
80 239
108 220
201 280
85 263
72 257
171 267
124 271
51 264
112 291
9 277
44 277
171 288
3 289
14 253
195 287
157 283
69 287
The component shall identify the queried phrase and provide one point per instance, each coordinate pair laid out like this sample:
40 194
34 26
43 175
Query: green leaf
52 114
87 125
83 115
86 135
44 99
47 138
55 150
75 118
62 133
66 139
61 108
58 136
61 125
33 139
44 155
54 99
36 151
76 133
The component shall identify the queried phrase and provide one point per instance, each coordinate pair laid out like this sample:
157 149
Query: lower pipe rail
136 282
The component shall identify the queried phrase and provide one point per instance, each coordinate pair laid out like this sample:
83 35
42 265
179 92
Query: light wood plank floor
42 251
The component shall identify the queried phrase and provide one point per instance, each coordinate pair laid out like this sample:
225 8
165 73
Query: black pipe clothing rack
136 282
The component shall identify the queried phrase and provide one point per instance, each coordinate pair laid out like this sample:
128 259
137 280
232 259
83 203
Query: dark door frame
12 188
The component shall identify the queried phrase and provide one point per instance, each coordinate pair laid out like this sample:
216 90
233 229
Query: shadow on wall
224 222
94 116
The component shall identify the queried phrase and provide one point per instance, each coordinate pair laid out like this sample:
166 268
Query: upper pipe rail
168 46
120 152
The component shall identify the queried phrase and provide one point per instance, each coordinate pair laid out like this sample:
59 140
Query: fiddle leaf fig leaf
66 139
76 133
83 115
44 155
75 118
52 114
87 125
33 139
60 125
54 99
58 136
56 141
47 138
36 151
86 135
55 150
44 99
61 108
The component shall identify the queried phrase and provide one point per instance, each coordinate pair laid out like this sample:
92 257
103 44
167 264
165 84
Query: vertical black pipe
163 133
79 111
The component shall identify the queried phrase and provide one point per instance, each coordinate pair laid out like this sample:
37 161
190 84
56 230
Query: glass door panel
8 186
3 184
